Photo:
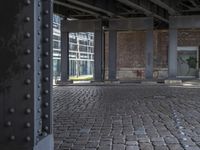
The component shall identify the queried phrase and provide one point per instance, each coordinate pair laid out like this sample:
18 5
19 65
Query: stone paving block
175 147
118 147
131 143
146 146
161 148
126 117
132 148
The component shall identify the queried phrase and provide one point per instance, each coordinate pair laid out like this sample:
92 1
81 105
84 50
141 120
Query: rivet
39 73
28 81
39 18
28 138
39 59
46 25
11 110
46 116
39 47
39 4
46 104
27 19
39 33
27 2
28 51
39 98
28 125
46 12
39 131
46 66
44 134
39 85
46 92
46 128
28 111
28 96
46 40
28 66
12 138
39 110
46 79
27 35
8 124
46 54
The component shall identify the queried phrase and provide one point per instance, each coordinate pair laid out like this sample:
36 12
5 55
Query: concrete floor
127 117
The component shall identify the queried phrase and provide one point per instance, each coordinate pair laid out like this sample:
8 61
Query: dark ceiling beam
77 8
146 9
93 7
186 6
192 10
193 3
165 4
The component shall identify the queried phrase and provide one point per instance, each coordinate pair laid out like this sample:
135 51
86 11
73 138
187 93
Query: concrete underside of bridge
134 39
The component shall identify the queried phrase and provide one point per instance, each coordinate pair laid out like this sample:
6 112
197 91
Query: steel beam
112 66
80 25
145 8
77 8
25 80
185 21
98 48
90 6
165 5
149 50
130 24
172 52
64 54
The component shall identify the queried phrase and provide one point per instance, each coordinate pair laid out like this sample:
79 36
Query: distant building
81 51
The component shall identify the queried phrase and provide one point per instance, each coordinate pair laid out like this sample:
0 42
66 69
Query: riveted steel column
149 49
112 66
172 52
25 49
46 138
64 54
98 48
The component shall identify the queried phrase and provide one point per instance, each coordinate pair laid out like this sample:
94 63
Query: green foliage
192 62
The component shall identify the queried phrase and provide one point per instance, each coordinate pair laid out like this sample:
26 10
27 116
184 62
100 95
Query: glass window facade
81 51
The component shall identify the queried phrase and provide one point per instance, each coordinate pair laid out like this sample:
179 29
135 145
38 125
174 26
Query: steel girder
25 80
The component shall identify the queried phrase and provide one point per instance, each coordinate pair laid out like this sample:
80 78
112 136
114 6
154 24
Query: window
56 44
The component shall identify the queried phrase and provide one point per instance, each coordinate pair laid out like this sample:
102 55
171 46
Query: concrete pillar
64 56
98 47
149 54
172 53
112 66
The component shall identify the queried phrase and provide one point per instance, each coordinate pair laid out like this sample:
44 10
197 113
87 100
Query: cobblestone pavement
132 117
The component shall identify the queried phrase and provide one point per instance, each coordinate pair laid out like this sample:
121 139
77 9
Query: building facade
81 51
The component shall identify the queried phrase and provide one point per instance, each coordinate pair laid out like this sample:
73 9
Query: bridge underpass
146 40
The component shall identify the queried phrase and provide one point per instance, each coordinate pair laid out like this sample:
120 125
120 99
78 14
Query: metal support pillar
149 54
112 66
64 56
26 79
98 48
172 53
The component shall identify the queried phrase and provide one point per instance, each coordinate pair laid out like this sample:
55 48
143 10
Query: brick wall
131 52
